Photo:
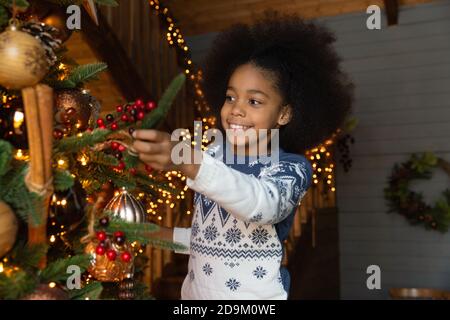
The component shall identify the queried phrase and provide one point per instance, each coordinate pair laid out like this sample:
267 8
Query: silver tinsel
127 207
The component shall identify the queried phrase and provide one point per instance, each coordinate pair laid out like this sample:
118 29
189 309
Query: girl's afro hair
305 69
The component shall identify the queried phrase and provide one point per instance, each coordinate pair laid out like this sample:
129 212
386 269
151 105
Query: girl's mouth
236 127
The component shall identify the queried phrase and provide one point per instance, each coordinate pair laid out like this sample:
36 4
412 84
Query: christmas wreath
411 204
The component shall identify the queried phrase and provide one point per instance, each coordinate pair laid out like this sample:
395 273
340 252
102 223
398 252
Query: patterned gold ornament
74 107
8 228
126 207
23 60
106 270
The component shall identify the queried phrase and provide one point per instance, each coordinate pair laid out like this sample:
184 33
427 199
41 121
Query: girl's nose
237 110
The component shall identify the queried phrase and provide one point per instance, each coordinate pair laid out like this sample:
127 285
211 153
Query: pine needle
76 143
57 271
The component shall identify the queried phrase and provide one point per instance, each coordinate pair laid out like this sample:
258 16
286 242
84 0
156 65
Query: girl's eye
254 102
229 98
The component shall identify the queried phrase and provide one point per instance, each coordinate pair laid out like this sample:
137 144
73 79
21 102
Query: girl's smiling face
252 102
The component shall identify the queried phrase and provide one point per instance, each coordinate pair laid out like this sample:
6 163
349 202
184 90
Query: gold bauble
105 270
23 60
8 228
126 207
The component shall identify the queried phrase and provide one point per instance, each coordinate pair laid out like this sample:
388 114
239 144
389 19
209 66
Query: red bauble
121 165
126 256
148 168
119 109
122 148
101 235
57 134
111 254
115 145
133 171
114 126
100 250
100 122
109 117
124 117
140 115
119 234
150 105
139 102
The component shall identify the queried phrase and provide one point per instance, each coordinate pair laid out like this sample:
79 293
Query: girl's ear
285 115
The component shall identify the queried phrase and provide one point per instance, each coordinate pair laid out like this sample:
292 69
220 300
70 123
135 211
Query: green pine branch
82 74
15 193
140 232
164 104
21 4
62 180
92 291
125 180
17 285
28 256
131 161
57 271
5 156
75 143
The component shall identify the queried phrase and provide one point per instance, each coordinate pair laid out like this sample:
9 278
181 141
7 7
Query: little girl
281 73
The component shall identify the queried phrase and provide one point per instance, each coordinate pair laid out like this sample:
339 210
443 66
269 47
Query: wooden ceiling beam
203 16
391 7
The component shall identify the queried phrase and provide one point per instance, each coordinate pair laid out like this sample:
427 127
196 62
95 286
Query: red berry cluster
104 246
126 114
118 149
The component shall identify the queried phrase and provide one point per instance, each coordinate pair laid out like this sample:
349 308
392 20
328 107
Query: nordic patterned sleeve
266 199
182 236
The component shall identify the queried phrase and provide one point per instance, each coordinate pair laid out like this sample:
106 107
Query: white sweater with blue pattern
243 213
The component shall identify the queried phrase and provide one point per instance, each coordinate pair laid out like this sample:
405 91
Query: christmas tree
60 163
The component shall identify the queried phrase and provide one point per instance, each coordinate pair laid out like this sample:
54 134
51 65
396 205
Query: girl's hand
155 149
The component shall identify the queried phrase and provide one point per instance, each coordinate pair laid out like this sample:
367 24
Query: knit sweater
242 215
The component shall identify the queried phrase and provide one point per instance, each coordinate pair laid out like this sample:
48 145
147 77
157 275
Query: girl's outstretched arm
266 199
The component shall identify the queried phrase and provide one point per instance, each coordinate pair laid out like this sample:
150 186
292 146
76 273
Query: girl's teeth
235 126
